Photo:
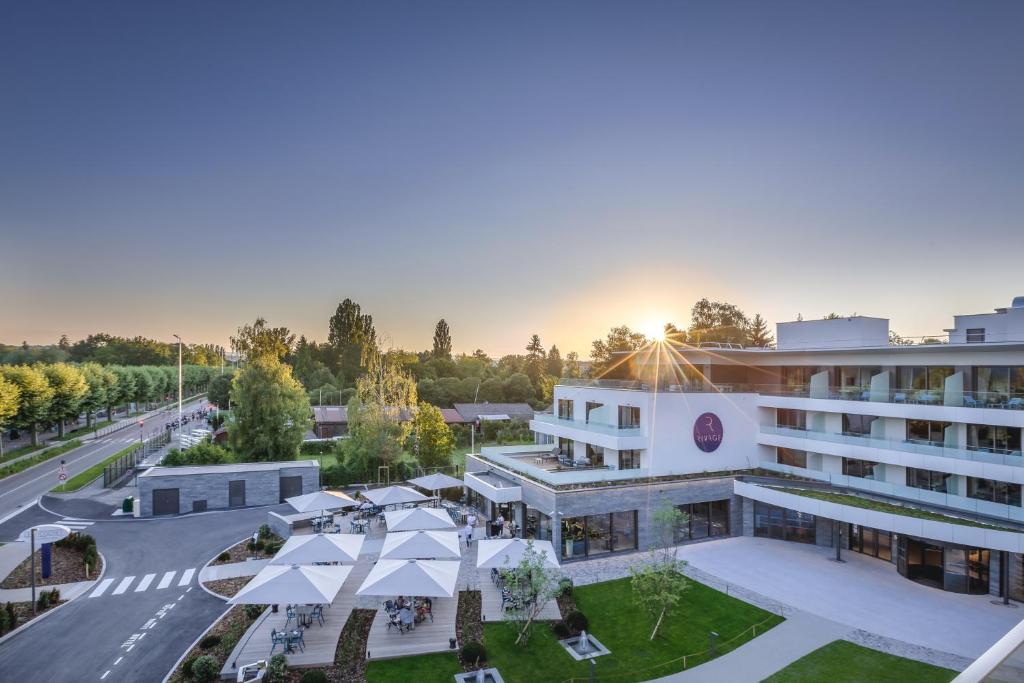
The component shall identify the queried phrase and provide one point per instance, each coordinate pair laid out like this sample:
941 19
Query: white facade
1005 325
836 333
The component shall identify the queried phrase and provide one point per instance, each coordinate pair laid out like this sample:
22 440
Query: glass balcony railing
596 427
512 458
986 455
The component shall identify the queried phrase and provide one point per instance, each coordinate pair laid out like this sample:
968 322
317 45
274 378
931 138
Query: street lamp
179 379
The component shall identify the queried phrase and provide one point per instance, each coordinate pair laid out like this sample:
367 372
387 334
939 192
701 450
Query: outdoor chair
1015 403
290 613
899 397
299 640
277 638
971 402
395 622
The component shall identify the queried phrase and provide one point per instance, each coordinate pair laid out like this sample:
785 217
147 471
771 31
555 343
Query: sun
654 331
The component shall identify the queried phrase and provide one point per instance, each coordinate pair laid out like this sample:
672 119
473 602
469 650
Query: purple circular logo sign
707 432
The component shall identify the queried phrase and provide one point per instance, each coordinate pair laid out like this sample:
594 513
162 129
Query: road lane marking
186 577
102 588
144 584
105 674
118 661
180 597
123 586
166 581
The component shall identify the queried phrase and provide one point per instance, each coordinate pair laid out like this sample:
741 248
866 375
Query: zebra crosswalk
145 583
76 524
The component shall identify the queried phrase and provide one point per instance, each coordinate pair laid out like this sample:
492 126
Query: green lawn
843 662
435 667
11 454
621 627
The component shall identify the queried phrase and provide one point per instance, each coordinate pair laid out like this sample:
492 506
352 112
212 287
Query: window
704 520
595 454
794 419
564 409
629 417
873 542
927 431
975 335
791 457
782 524
629 460
995 384
598 534
993 491
857 425
930 480
592 405
566 447
864 469
796 378
994 439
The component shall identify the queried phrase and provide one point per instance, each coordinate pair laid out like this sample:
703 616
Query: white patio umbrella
422 544
394 495
436 482
418 518
505 553
320 548
429 578
302 584
321 500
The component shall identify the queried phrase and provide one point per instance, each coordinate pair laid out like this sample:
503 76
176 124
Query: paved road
145 612
24 488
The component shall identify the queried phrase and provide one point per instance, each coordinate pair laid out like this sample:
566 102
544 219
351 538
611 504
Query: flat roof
232 468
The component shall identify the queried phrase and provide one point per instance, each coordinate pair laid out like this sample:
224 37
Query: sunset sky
514 167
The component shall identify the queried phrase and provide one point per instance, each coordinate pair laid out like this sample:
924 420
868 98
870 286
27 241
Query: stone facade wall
262 487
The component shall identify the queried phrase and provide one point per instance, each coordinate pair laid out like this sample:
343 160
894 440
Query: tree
125 389
619 340
204 453
219 392
64 344
442 340
10 396
99 380
714 321
658 581
535 357
518 388
271 411
34 402
350 333
69 388
897 340
674 335
258 339
759 334
433 438
572 365
536 580
554 364
145 385
376 438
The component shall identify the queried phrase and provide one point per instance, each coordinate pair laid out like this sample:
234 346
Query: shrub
186 667
12 616
260 545
5 625
277 669
253 611
224 557
265 531
565 587
313 676
577 621
43 601
473 653
250 546
205 668
560 630
209 641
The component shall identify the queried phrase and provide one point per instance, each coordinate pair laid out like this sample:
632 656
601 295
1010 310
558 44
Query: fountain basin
480 676
584 646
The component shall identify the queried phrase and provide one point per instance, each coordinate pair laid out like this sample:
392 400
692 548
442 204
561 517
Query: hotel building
908 453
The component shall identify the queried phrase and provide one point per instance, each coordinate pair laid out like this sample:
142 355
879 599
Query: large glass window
794 419
864 469
929 480
854 380
564 409
629 460
704 520
857 425
927 431
996 384
591 406
595 455
629 417
994 438
796 378
598 534
993 491
779 523
566 447
791 457
719 518
538 525
873 542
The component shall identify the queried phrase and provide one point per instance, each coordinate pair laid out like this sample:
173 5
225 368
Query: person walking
468 533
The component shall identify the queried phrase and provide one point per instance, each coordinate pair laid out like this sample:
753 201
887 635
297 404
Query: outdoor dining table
360 525
305 614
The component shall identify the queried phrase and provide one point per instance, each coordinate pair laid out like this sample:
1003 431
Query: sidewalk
13 554
799 635
231 571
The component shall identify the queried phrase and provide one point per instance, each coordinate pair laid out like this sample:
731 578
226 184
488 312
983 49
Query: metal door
290 487
165 501
236 493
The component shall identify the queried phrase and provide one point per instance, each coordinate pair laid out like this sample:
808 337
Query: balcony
537 463
989 456
605 435
926 397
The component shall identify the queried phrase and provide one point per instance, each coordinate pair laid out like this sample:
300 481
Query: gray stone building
179 490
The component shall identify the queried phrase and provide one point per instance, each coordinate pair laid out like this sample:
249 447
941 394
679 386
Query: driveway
863 592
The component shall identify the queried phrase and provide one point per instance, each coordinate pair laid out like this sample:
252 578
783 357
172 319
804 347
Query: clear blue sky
516 167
